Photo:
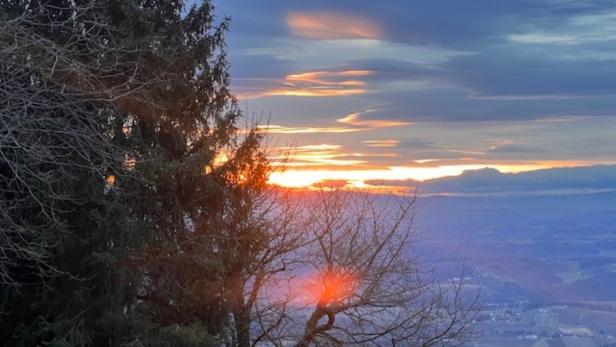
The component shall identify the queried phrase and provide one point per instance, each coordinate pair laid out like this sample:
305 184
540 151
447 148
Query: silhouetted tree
369 289
347 275
115 118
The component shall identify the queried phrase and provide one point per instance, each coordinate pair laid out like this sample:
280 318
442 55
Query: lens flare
329 287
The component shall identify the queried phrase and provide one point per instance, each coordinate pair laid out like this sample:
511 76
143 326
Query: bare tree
348 275
358 282
370 289
278 216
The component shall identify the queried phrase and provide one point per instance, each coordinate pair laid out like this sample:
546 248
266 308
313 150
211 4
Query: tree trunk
241 316
312 329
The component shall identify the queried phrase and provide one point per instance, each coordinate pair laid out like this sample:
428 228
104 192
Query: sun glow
306 178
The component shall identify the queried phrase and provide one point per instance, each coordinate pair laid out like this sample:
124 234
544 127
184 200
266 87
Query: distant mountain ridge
487 180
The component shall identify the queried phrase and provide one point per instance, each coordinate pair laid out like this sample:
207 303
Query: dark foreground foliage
115 204
135 212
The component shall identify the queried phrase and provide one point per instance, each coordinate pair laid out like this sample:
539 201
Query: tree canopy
116 203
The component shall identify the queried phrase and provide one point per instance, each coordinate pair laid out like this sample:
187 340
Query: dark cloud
498 84
521 71
388 69
453 104
245 66
418 144
492 78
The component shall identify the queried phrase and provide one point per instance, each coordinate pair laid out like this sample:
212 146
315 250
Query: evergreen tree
126 183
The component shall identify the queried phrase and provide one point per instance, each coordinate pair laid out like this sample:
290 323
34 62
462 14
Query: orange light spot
220 159
327 288
110 180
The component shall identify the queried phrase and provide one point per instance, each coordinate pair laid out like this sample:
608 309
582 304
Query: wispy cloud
542 38
581 29
281 129
320 147
321 156
381 143
315 155
312 84
355 119
329 26
325 78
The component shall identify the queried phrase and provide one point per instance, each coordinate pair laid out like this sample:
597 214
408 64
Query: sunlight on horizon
305 178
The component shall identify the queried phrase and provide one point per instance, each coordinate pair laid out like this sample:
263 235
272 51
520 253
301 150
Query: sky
361 90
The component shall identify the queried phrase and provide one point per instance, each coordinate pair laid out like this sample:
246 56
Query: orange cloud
323 83
321 156
281 129
323 146
315 155
319 77
331 26
354 119
314 83
315 92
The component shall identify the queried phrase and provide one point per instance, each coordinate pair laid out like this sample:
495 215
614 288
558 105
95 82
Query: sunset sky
361 90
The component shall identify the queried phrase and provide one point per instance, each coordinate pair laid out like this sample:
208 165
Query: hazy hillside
541 245
600 177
